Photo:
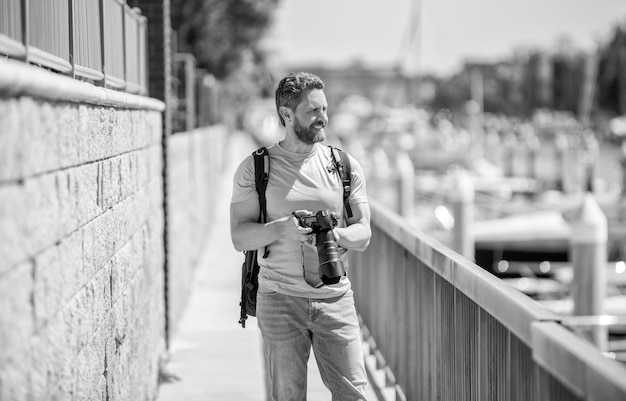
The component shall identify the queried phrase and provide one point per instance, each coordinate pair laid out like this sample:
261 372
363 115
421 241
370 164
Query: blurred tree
222 33
568 75
611 81
452 93
537 82
567 85
225 38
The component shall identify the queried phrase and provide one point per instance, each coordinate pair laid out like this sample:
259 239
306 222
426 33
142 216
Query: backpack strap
261 177
342 163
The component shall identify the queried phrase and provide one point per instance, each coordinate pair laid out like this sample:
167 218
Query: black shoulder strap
261 177
342 163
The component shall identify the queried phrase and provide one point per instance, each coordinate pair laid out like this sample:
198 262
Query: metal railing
195 95
207 99
113 12
87 40
47 37
104 41
11 28
184 90
449 330
135 50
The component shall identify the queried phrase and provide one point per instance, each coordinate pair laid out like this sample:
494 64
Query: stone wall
81 240
195 161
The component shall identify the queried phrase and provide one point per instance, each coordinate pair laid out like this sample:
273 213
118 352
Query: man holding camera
297 307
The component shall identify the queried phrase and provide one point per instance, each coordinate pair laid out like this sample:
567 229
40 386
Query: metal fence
184 90
195 95
449 330
103 41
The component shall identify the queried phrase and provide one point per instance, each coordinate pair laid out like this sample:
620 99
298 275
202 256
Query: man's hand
293 229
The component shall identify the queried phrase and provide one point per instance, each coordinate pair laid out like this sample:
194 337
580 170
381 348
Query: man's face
310 117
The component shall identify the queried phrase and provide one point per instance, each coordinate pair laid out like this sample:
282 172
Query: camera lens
330 265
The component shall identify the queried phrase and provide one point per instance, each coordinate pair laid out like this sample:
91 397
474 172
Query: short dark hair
290 90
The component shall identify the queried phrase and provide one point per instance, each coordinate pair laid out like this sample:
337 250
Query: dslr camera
330 265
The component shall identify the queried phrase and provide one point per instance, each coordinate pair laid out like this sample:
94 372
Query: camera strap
342 164
261 177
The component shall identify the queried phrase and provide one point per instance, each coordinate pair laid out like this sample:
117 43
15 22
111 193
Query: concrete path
214 358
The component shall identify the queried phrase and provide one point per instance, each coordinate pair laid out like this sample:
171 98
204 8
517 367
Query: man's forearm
354 237
251 235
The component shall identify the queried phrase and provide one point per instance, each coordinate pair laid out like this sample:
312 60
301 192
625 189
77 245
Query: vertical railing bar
70 6
124 54
506 371
437 355
25 34
145 69
137 47
26 28
102 50
49 41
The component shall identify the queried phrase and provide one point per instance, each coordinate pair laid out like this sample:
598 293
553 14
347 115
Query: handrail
103 41
18 79
447 328
486 290
577 363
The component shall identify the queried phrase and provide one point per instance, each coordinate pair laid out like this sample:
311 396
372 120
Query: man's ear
285 113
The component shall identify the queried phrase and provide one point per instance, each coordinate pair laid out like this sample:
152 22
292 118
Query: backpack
250 267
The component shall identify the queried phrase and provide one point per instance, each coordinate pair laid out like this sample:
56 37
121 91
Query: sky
339 32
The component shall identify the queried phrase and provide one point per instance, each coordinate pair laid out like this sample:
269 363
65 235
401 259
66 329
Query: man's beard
307 135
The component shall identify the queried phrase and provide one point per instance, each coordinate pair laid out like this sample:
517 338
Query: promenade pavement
210 354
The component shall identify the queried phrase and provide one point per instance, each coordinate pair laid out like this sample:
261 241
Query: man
295 310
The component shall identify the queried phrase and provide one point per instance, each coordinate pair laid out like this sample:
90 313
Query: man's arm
356 236
247 234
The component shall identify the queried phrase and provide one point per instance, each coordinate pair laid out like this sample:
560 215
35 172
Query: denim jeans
292 325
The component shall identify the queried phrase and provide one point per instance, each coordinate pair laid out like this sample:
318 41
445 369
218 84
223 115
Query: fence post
462 196
588 250
406 185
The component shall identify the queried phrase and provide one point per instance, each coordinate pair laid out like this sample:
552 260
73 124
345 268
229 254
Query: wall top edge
20 79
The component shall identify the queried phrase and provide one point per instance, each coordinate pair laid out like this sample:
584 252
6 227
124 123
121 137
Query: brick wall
195 161
81 242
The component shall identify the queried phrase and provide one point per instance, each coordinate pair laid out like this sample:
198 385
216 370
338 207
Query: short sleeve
243 182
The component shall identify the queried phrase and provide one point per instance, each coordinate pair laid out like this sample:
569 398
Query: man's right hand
292 228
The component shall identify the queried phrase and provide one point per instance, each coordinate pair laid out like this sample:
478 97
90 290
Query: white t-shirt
299 182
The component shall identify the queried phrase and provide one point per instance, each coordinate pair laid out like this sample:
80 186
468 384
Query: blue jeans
291 325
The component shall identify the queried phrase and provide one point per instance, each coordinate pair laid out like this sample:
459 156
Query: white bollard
588 253
462 197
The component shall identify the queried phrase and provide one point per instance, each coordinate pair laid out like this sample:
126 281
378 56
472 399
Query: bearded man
296 311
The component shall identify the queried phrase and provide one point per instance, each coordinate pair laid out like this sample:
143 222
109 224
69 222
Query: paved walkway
214 358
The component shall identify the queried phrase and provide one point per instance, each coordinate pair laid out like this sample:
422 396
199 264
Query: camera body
330 265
